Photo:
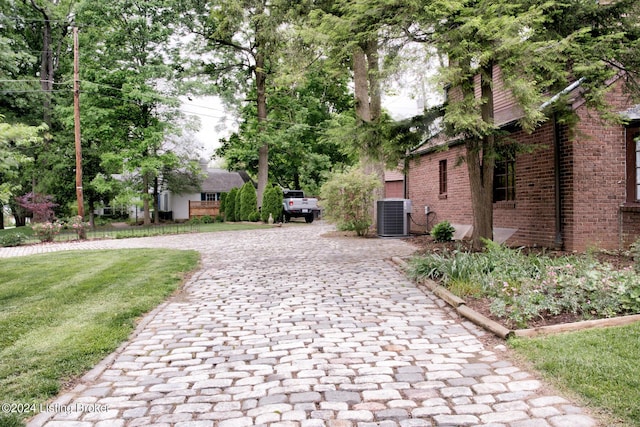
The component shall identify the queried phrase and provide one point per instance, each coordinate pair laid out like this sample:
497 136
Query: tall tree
245 37
298 112
540 46
13 138
128 73
37 52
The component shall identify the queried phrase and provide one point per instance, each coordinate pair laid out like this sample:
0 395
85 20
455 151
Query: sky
215 124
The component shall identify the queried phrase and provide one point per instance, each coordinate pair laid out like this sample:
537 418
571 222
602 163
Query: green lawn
602 366
108 232
61 313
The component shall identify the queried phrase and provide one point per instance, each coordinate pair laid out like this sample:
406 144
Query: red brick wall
598 162
593 187
533 211
394 189
423 189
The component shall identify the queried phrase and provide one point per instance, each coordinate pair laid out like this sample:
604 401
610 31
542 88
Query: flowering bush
46 231
77 224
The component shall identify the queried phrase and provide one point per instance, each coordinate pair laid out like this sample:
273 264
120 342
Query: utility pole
76 121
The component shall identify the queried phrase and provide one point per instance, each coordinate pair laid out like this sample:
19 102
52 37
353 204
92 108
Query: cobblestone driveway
283 327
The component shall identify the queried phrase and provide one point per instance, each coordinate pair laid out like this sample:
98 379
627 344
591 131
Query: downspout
559 243
405 169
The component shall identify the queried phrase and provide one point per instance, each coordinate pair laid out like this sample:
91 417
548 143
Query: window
443 177
633 165
504 180
209 197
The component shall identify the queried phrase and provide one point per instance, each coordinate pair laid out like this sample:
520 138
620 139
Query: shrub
12 239
524 287
272 204
219 218
39 205
206 219
635 252
230 205
223 202
78 224
238 205
248 201
195 220
443 232
348 200
46 231
254 216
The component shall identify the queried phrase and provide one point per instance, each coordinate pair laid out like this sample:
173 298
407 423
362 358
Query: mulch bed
426 244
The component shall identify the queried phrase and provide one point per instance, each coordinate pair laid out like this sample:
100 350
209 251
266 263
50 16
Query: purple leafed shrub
39 205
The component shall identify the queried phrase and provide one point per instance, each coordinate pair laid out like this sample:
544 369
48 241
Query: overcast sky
216 124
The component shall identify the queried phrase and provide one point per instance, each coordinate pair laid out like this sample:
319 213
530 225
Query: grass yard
109 232
62 313
601 365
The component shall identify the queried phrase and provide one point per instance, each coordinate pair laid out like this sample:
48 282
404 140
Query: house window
504 180
209 197
633 165
443 177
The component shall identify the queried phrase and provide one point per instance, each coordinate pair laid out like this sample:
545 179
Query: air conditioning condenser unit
393 217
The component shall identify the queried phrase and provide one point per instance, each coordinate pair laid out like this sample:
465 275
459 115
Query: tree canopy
305 80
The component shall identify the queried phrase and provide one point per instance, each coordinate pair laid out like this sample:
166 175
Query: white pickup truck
296 205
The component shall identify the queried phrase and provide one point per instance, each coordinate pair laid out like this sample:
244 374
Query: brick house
573 191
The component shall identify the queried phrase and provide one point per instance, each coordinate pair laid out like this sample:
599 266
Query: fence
124 232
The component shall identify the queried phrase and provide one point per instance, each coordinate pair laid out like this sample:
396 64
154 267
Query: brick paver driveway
284 327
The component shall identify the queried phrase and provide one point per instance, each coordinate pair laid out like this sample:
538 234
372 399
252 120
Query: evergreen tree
272 204
248 201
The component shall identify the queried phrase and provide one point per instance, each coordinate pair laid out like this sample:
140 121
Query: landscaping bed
530 288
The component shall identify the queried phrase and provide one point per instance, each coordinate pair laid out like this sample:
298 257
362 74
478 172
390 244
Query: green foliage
254 216
14 140
46 231
348 200
238 205
524 287
272 204
230 205
248 201
12 239
206 219
300 156
443 232
223 202
635 251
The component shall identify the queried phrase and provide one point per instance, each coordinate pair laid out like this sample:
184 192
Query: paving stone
572 420
342 339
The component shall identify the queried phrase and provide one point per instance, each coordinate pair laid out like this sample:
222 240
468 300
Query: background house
577 189
180 207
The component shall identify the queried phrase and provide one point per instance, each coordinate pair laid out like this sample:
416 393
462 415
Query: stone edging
501 331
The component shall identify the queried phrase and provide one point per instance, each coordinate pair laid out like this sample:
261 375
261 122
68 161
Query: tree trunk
263 152
369 107
1 217
145 199
156 200
480 164
361 85
377 165
92 215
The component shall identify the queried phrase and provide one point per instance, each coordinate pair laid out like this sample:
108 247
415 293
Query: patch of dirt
426 244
